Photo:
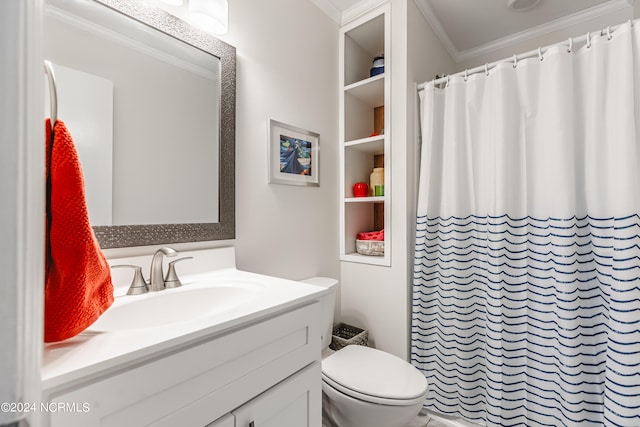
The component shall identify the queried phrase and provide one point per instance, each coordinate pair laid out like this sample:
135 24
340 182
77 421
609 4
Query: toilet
363 386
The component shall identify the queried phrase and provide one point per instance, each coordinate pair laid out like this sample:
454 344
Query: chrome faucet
157 276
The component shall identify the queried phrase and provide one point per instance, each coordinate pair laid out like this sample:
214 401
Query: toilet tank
327 305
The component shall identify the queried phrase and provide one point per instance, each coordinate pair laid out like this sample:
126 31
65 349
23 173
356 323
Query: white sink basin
186 303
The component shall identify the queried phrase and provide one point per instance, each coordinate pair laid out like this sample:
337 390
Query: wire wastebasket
344 335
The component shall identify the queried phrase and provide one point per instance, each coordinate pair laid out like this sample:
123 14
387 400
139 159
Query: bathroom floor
424 421
420 421
429 422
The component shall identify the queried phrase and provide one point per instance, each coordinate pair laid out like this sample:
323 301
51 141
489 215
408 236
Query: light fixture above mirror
211 16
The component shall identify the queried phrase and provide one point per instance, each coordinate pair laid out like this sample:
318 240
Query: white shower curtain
526 301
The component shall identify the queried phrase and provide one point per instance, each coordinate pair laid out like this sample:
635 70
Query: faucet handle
138 284
172 280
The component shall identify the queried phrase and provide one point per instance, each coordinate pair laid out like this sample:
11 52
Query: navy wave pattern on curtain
529 322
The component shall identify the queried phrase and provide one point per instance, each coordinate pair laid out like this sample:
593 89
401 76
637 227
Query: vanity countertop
95 353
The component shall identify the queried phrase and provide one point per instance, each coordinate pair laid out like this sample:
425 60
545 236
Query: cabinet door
226 421
295 402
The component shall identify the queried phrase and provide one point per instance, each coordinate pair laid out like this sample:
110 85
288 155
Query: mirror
150 102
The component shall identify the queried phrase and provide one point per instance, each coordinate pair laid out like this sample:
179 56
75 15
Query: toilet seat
369 398
374 376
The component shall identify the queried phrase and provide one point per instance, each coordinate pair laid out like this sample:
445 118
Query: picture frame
293 155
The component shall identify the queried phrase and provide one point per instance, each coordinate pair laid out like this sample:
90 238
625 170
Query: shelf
366 82
371 145
365 259
375 199
370 91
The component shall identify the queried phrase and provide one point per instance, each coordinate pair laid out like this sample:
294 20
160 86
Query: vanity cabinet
266 372
363 147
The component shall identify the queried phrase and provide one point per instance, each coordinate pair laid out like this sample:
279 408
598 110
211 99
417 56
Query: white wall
287 71
379 298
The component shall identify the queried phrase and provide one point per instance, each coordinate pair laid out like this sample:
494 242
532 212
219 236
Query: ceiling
468 28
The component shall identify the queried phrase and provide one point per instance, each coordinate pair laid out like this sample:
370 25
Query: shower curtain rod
532 53
53 92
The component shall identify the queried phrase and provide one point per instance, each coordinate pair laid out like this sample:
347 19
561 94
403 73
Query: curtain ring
609 33
486 68
570 45
466 75
515 61
448 77
588 40
540 54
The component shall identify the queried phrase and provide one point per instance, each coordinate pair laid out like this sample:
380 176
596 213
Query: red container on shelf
360 189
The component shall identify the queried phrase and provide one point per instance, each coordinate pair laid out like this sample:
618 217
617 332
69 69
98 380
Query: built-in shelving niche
362 116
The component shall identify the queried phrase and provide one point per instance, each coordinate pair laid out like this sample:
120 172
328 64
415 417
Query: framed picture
293 155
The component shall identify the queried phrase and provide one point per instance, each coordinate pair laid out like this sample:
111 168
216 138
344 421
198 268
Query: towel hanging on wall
78 286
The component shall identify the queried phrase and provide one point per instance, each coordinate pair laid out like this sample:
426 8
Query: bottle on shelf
376 182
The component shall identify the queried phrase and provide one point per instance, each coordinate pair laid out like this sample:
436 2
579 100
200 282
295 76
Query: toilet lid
371 372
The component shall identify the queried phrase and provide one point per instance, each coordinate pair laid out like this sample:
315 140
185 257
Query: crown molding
343 17
540 30
360 9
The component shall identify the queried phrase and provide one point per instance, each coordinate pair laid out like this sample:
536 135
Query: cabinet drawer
210 378
294 402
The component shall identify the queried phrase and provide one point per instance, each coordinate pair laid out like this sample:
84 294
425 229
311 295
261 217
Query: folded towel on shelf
372 235
78 286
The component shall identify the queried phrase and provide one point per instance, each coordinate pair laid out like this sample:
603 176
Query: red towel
78 286
372 235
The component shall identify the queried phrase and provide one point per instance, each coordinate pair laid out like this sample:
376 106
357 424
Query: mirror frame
117 236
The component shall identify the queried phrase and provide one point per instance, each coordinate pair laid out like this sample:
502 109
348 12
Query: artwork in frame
293 155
